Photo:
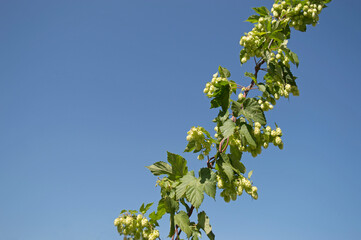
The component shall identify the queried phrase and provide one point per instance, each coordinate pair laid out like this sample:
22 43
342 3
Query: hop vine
241 129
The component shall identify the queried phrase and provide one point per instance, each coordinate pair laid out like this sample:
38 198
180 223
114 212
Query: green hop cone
144 222
279 131
117 222
278 140
239 190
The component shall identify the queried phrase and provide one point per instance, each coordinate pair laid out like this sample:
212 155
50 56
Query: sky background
93 91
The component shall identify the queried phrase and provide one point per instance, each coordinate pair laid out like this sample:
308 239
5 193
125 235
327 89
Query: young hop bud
128 220
273 133
239 190
116 221
254 195
257 125
279 131
288 87
246 183
144 222
278 140
156 233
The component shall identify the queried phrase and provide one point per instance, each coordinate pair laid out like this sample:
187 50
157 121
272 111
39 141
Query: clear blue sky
93 91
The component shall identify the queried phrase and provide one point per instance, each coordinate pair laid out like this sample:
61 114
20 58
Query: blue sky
93 91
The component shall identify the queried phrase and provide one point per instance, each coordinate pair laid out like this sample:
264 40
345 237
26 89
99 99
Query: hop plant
199 140
137 226
241 126
212 86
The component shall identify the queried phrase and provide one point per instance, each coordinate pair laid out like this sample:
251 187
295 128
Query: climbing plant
240 127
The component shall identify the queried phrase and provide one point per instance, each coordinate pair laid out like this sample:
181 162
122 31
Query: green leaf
250 174
196 235
170 205
238 165
287 31
182 220
172 225
252 111
221 98
194 193
253 19
155 216
261 87
133 211
302 28
179 165
208 179
236 108
223 72
236 154
278 36
251 75
184 182
192 188
287 76
235 158
146 208
291 55
228 128
160 168
295 58
203 223
263 11
225 166
190 146
246 132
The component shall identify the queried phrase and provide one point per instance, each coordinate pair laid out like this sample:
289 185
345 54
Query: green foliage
182 220
252 111
203 223
241 127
